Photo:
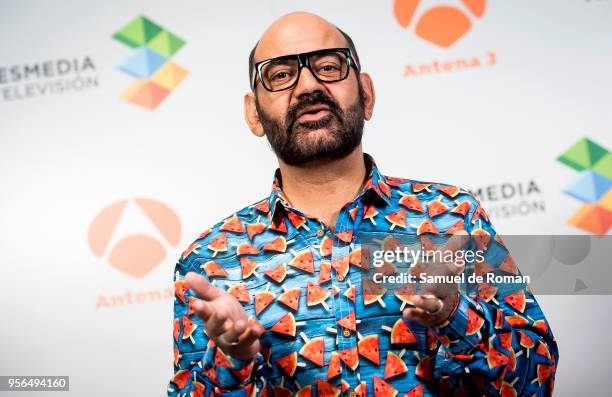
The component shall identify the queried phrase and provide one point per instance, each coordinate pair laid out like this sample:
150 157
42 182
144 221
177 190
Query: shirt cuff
454 334
227 371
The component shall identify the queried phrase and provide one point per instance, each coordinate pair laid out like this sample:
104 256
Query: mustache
316 98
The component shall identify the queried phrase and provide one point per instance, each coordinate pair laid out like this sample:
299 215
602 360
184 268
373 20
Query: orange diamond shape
145 93
592 218
606 201
170 75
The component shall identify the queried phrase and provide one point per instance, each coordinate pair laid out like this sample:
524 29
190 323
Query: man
271 301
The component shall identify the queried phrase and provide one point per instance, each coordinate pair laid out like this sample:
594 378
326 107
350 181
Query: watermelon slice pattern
265 253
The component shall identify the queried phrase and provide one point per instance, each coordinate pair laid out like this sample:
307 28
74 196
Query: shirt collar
375 186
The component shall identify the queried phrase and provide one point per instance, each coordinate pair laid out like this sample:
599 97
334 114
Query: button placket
346 338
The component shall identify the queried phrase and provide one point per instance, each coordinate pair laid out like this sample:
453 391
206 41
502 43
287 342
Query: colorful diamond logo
150 63
592 218
593 186
589 187
584 154
143 63
603 166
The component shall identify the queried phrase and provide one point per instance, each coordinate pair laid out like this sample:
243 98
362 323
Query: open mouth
312 113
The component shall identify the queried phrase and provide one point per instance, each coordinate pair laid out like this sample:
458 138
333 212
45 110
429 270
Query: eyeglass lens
283 73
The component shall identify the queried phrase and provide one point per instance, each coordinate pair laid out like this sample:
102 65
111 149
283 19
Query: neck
320 189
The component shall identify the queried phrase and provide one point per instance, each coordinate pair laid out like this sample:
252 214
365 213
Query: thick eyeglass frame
303 61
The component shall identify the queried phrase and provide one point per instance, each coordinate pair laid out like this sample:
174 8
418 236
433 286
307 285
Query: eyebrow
282 61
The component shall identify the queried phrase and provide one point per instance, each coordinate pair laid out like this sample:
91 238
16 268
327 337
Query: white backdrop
67 155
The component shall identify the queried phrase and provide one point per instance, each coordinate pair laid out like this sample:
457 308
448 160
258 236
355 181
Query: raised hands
225 320
437 300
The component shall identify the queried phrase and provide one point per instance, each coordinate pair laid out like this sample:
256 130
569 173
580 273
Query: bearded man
273 300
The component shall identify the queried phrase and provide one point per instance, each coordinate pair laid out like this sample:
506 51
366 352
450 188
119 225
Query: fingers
455 243
218 319
427 309
417 314
234 330
202 309
202 287
428 303
218 323
244 343
253 332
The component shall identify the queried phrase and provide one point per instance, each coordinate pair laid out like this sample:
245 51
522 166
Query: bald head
316 116
295 33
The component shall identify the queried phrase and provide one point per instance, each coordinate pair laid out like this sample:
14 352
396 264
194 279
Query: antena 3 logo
135 254
593 186
441 25
150 63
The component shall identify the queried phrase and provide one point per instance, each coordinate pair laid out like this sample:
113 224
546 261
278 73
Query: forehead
294 39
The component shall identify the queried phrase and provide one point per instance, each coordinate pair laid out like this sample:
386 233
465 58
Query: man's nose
307 83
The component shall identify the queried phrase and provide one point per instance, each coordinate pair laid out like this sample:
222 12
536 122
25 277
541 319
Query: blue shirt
324 336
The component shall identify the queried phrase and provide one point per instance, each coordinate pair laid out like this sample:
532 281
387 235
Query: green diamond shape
583 154
604 166
166 43
138 32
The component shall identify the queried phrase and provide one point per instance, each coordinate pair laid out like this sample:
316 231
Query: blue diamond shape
143 63
589 187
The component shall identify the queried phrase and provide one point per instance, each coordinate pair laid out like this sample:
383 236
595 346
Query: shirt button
352 393
320 232
340 277
346 333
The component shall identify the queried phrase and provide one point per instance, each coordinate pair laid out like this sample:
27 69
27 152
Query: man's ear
369 95
251 116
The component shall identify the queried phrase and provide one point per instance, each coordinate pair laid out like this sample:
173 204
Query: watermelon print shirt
324 337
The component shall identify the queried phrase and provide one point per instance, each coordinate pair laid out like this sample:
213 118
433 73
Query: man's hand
225 320
436 302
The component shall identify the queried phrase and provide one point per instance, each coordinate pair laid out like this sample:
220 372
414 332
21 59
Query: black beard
345 130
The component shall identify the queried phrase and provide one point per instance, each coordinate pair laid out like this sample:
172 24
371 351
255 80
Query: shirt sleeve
200 367
497 340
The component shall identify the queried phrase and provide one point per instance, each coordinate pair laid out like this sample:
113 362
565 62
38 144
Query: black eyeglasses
281 73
